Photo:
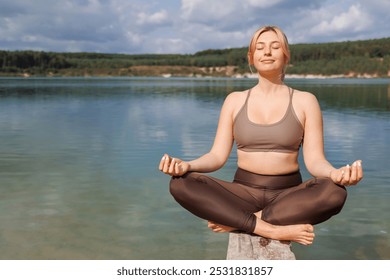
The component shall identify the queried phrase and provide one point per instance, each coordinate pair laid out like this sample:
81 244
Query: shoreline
237 76
209 73
179 71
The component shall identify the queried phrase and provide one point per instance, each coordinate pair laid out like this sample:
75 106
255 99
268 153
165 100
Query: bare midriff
268 163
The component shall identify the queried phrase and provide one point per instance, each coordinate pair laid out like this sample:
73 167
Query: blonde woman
269 123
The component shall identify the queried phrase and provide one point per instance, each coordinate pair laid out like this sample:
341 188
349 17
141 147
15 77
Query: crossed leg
300 233
319 199
223 202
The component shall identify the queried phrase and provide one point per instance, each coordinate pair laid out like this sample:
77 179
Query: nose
267 50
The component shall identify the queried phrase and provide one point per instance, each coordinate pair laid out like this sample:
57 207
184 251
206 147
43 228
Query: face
268 55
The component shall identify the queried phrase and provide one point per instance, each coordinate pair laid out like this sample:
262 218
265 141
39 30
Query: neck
269 84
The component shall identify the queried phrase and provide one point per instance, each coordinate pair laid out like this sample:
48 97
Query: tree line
361 57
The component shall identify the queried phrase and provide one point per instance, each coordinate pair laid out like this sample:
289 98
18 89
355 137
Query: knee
178 187
335 195
175 187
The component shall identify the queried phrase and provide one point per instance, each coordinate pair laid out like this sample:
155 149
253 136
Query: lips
268 60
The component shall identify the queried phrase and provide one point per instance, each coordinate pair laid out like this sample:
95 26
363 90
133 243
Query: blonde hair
282 38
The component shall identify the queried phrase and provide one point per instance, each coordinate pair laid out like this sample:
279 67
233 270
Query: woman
269 123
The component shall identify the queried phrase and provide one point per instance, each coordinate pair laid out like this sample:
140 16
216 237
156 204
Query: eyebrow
265 42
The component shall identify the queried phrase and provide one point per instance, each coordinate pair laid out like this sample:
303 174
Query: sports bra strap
247 96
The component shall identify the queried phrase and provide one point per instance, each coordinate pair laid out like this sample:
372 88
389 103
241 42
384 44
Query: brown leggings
283 199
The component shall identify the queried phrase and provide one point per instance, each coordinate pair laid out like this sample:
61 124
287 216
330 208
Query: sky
182 26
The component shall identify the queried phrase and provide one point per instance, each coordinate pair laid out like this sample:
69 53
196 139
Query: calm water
79 179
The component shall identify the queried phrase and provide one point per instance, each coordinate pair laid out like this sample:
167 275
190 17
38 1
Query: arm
216 157
313 147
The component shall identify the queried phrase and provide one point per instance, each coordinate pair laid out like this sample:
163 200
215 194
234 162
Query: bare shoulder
305 105
304 97
236 99
305 100
237 96
234 102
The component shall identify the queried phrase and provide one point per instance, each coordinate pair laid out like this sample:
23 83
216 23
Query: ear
250 58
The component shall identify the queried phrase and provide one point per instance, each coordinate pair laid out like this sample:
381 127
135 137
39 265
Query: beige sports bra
283 136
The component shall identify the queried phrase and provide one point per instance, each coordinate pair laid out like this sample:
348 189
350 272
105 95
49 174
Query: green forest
350 58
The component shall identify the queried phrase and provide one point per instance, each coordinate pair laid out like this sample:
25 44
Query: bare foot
300 233
303 233
219 228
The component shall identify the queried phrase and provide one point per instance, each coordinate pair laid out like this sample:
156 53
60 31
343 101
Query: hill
350 58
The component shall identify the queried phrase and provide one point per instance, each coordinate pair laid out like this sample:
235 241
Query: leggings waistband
267 181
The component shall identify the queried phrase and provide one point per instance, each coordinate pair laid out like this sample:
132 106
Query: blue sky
182 26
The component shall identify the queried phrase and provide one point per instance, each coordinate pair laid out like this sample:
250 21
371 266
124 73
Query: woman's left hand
348 175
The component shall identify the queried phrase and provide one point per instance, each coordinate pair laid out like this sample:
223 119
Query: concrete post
244 246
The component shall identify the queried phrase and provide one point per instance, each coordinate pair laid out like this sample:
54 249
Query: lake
79 161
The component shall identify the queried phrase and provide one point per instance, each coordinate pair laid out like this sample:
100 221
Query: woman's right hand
173 166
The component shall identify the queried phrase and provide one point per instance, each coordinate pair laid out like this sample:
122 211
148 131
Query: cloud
186 26
205 11
353 20
263 3
61 24
230 15
157 18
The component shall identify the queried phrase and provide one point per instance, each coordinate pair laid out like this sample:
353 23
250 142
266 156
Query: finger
161 165
353 178
177 168
347 175
340 176
359 170
171 169
166 164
